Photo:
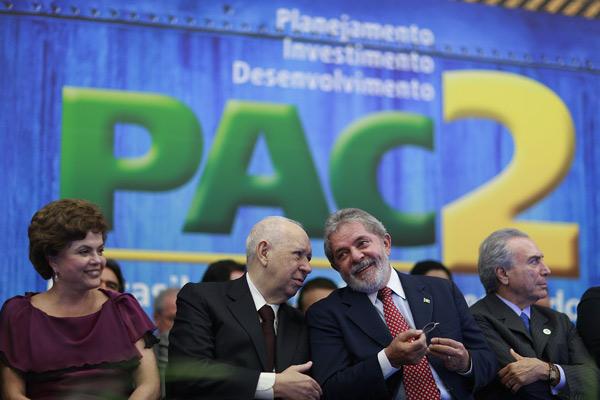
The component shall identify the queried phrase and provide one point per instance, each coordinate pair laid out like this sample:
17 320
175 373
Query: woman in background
74 341
112 276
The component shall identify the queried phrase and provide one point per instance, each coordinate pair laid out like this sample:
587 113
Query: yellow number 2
543 134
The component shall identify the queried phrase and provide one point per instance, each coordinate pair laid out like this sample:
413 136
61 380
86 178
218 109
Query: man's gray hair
159 300
347 215
493 253
270 229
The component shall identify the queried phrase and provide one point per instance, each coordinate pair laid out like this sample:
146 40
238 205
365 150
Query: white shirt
401 303
266 380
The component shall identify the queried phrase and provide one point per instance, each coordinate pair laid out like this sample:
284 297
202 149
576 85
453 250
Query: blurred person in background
74 340
112 277
431 268
588 323
223 270
313 291
165 308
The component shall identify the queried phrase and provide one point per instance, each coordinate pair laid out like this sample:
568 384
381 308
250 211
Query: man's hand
452 353
293 383
408 347
522 372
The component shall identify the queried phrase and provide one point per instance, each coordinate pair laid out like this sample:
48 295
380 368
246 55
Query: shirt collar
257 297
515 308
394 284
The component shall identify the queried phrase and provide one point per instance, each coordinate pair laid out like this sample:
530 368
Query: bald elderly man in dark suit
239 339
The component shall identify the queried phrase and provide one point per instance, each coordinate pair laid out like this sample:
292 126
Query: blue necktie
525 319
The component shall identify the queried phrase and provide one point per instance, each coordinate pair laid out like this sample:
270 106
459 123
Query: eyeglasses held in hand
429 327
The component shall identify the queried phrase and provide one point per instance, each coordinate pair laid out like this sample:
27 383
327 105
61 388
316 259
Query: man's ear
501 275
262 252
387 244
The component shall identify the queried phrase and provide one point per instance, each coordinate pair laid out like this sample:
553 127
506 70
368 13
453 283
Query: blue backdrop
337 64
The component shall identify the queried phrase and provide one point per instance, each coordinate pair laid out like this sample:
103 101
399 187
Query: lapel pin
426 300
547 331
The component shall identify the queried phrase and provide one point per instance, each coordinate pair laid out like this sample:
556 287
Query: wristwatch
553 374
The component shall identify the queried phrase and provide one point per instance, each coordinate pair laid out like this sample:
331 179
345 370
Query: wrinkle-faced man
368 339
540 353
239 339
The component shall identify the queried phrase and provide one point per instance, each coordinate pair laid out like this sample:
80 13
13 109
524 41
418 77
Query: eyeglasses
429 327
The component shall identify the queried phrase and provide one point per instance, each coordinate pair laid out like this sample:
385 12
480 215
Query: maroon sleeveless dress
89 357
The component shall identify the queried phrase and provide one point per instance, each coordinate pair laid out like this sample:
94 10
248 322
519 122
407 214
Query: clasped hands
294 383
523 371
410 346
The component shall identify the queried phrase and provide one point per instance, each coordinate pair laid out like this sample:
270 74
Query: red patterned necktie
418 379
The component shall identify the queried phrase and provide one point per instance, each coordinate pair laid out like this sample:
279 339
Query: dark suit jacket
216 346
560 345
346 333
588 323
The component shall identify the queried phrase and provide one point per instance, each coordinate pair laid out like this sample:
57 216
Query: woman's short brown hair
58 224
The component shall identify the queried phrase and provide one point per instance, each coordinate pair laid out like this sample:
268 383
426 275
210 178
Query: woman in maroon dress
74 341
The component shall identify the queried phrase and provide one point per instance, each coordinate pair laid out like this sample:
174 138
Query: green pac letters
225 185
89 168
354 184
90 115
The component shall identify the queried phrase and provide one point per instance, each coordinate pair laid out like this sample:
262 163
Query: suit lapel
362 312
288 333
419 300
539 322
242 307
510 319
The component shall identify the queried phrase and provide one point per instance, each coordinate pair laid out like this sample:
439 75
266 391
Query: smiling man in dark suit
539 350
368 339
239 339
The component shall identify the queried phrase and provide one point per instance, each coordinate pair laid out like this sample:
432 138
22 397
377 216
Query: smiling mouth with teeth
93 271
